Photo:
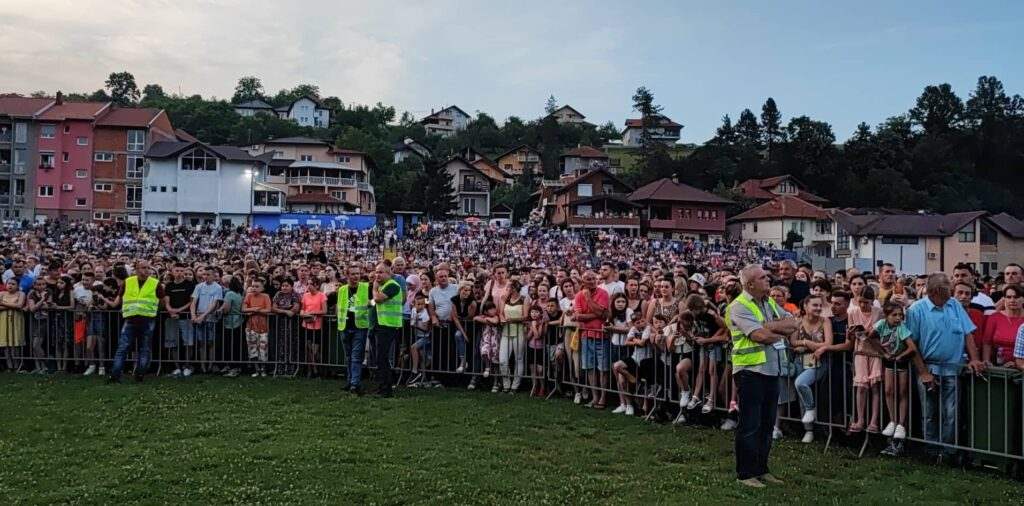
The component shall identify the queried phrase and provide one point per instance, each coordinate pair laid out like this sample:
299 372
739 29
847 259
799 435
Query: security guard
354 322
386 321
140 300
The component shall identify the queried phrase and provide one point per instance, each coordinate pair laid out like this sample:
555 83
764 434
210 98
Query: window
988 235
65 156
80 202
81 173
842 238
306 158
508 167
344 159
67 129
661 213
152 189
21 132
163 189
19 161
172 222
469 206
103 187
198 159
134 167
103 156
823 227
46 160
714 215
47 131
82 141
584 190
889 239
136 140
174 189
133 196
100 215
46 191
266 198
966 234
340 195
755 226
584 210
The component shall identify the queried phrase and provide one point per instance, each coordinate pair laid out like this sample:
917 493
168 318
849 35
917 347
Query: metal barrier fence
982 416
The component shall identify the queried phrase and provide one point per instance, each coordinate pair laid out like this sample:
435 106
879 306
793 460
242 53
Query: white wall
767 231
226 190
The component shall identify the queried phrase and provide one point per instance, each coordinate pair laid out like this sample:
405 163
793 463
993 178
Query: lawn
246 441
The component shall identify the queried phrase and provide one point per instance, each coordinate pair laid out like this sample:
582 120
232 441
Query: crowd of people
677 330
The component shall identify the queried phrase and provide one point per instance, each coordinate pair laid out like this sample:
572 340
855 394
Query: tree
643 102
938 109
122 87
988 103
747 129
152 93
99 95
517 197
725 135
438 193
306 90
810 150
771 127
248 88
38 94
551 106
792 238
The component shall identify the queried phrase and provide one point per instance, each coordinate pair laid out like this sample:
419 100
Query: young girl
256 306
38 305
867 366
815 332
892 338
618 326
536 329
681 334
420 352
314 306
513 337
489 346
554 340
710 336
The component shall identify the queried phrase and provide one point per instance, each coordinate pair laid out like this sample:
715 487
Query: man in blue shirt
941 329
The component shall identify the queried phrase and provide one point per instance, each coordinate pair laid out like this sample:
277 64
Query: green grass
212 440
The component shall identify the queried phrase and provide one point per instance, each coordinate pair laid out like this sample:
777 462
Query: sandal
855 428
873 429
599 406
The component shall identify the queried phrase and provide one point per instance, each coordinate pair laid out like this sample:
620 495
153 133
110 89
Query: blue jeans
354 341
460 347
938 407
804 383
129 334
759 402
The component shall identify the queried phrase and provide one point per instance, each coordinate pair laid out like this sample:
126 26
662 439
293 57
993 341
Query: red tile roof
760 189
22 106
662 122
74 110
586 152
667 189
783 207
139 117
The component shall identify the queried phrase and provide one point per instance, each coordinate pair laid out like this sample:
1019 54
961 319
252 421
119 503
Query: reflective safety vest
139 301
746 352
362 307
389 312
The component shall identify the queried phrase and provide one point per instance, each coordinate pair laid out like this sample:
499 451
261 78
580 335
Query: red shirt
1001 331
592 329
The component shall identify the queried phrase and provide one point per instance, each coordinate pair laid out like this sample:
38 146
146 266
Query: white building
772 222
567 115
446 122
306 111
191 183
662 130
472 187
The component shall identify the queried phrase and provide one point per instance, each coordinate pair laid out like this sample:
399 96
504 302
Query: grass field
212 440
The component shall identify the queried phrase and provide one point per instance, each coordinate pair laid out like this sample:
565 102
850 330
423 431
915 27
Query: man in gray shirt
759 329
439 305
206 299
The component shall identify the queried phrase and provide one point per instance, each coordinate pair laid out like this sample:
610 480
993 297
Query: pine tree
438 197
771 127
552 105
747 129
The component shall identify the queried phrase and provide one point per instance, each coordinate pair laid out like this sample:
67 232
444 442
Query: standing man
759 330
386 319
140 298
439 305
591 311
178 325
798 290
353 323
610 279
886 281
205 309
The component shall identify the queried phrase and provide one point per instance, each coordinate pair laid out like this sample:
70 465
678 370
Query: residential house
488 167
306 111
254 107
472 186
772 222
64 177
192 183
567 115
763 190
519 159
122 136
662 130
410 147
19 137
673 210
1009 243
446 122
302 165
582 159
595 199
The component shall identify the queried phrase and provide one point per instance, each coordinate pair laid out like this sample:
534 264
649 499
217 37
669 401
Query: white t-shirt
81 294
619 339
614 287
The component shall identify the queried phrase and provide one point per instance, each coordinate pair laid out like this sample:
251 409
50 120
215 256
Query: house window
134 167
65 156
46 191
755 226
823 227
82 141
47 131
584 210
80 202
133 196
966 234
988 235
21 132
508 167
174 189
46 160
340 195
661 213
889 239
266 198
584 190
198 159
119 218
306 158
101 215
81 173
172 222
103 187
152 189
688 213
842 238
103 156
163 189
67 129
136 140
344 159
469 206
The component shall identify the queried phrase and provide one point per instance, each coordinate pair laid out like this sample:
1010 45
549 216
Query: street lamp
252 175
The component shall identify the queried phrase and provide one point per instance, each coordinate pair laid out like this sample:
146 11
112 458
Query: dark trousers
383 339
759 401
130 334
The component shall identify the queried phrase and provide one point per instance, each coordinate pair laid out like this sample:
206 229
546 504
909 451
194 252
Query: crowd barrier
984 418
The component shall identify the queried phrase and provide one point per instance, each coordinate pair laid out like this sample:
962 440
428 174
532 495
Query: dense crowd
611 321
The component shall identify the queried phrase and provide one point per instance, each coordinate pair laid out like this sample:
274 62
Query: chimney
60 98
675 179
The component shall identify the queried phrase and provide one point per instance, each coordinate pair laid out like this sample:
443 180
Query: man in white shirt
610 279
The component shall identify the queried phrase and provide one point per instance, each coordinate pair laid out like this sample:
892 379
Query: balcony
529 158
7 134
19 169
344 182
364 186
604 221
474 188
19 200
5 166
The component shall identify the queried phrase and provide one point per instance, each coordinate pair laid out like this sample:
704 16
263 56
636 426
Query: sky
840 62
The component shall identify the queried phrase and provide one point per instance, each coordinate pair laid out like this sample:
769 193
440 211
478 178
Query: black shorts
535 357
901 366
647 370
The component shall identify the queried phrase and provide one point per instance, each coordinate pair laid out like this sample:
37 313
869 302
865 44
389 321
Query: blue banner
272 222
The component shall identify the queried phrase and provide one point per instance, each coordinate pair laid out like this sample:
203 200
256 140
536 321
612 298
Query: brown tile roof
22 107
515 149
569 184
667 189
782 207
760 189
139 117
586 152
490 169
74 110
662 122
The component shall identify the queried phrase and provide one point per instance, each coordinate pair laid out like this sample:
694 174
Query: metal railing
982 418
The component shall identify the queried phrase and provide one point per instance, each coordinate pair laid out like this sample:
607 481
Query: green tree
643 102
438 193
725 135
122 87
99 95
747 129
938 109
248 88
551 106
39 94
771 127
152 94
517 197
792 238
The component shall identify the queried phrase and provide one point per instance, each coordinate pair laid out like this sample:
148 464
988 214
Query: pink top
314 304
1001 332
857 317
593 327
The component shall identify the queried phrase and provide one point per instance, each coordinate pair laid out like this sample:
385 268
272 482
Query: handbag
574 340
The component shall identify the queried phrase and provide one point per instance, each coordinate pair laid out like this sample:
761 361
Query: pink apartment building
63 182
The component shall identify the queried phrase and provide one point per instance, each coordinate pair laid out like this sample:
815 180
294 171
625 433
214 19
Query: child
256 306
38 304
489 339
867 366
710 335
554 340
420 321
681 334
536 329
891 337
625 370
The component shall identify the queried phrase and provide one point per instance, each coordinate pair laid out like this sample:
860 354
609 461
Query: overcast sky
842 62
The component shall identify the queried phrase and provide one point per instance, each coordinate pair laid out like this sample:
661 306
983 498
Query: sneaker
680 419
263 374
684 399
751 482
175 374
708 407
494 389
103 371
472 386
729 424
890 450
808 437
88 372
578 399
694 402
255 375
416 378
619 410
187 372
487 372
777 434
769 478
232 373
460 369
809 416
900 432
889 429
515 386
629 410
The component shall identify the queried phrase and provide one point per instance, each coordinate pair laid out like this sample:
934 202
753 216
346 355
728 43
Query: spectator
314 307
896 348
513 337
207 297
999 336
12 330
286 305
815 332
591 311
178 329
798 289
257 306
